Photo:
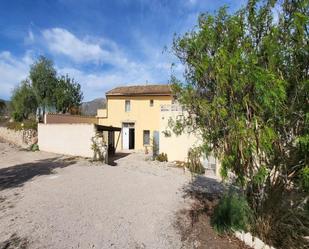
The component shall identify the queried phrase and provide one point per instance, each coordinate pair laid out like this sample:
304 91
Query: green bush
231 213
162 157
26 125
194 163
34 147
305 178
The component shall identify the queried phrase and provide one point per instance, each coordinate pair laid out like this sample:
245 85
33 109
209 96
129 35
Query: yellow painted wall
177 146
141 114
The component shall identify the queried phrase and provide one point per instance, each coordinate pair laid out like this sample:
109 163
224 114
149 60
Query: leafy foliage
43 76
25 125
67 94
34 147
194 163
232 213
45 89
2 106
23 101
247 92
162 157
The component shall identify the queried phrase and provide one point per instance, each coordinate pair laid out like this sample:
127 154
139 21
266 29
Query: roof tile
140 90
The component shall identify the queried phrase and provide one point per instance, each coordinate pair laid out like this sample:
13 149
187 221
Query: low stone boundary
22 138
252 241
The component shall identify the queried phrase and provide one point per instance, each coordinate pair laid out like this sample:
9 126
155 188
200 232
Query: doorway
128 136
131 138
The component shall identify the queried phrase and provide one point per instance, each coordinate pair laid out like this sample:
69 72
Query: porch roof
107 128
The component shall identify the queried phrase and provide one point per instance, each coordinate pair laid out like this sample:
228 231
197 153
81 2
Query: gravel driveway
52 201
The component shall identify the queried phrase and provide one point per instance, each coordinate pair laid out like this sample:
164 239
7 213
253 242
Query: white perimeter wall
67 139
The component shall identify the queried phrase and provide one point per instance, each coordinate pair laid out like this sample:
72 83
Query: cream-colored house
134 118
136 109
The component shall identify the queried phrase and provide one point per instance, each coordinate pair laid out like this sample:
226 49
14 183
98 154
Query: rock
258 244
239 235
248 239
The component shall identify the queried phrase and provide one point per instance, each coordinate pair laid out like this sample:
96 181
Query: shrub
194 163
231 213
162 157
26 125
34 147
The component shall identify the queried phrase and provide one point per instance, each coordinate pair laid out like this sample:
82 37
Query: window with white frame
151 103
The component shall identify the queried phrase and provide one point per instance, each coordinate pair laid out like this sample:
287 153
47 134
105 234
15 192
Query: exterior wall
101 113
177 147
68 139
53 118
141 114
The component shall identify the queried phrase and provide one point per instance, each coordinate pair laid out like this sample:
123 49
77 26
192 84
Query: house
136 109
143 113
135 118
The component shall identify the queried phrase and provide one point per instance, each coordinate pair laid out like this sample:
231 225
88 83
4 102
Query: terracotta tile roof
140 90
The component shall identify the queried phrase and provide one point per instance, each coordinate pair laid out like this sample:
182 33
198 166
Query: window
127 106
146 137
151 103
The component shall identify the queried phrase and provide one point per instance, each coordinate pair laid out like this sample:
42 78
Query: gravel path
60 202
52 201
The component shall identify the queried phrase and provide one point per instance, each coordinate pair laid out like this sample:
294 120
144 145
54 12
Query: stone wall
22 138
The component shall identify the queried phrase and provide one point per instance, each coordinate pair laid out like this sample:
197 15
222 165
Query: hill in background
90 108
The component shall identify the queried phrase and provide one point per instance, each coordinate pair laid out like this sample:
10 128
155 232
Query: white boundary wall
67 139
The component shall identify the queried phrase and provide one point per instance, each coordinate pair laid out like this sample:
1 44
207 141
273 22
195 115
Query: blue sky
101 44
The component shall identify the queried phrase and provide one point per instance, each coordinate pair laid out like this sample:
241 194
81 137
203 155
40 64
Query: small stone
258 244
248 239
239 235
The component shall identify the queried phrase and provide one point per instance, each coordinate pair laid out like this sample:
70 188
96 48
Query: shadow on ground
112 159
17 175
14 242
194 222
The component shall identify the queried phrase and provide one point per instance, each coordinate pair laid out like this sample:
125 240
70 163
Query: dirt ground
53 201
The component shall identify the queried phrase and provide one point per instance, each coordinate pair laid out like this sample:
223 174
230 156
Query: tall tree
23 101
2 106
44 81
68 95
247 91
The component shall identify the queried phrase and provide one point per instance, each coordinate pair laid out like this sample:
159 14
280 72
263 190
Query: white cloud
12 71
96 84
88 49
153 67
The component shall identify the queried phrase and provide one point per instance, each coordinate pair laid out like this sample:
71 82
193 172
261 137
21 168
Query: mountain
90 108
